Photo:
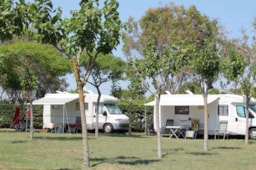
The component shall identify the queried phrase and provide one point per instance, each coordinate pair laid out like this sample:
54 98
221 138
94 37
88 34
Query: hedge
7 113
136 114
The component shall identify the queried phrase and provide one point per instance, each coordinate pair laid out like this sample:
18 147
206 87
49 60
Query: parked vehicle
183 108
61 110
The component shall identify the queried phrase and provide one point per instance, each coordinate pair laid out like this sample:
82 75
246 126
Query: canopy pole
67 120
145 120
63 121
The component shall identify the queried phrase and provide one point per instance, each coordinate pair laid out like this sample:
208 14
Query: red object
16 118
28 112
75 125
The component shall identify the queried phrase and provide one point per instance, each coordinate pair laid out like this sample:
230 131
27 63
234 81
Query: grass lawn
119 151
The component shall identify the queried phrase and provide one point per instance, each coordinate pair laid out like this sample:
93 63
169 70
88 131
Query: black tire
108 128
252 133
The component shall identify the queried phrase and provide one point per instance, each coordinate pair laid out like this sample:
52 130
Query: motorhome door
238 120
102 118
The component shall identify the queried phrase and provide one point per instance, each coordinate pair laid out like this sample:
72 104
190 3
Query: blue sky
232 14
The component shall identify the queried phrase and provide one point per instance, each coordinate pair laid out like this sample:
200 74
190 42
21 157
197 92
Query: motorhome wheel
252 133
108 128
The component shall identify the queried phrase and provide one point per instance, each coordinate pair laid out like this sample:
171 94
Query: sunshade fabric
181 100
61 100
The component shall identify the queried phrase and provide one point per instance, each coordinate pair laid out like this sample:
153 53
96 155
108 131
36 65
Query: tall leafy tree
239 67
29 60
158 48
170 44
33 21
93 30
106 68
18 20
205 56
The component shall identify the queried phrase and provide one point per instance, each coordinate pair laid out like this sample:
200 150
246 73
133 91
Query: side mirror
105 113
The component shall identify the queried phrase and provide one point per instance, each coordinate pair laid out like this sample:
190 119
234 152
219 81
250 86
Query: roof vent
189 92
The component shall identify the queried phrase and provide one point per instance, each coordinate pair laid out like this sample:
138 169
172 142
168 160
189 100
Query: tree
171 44
30 21
29 60
159 50
205 61
239 67
207 67
106 68
95 31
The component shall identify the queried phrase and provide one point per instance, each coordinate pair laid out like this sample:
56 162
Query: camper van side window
78 106
240 110
181 110
56 107
100 108
223 110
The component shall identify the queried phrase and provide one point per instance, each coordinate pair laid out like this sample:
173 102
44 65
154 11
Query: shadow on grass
18 141
201 153
61 138
123 160
226 147
63 169
133 135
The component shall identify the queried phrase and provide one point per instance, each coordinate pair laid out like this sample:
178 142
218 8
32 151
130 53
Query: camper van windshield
113 109
253 107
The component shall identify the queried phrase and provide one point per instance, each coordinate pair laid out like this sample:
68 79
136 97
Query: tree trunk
31 128
247 120
80 86
84 127
205 95
159 143
205 123
97 114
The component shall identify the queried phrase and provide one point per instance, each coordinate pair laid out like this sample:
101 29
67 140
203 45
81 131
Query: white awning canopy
183 100
62 100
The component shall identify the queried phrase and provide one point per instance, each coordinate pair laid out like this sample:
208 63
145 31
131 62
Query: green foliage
239 64
136 114
192 86
233 65
206 61
93 28
106 67
7 113
13 18
170 44
47 22
21 60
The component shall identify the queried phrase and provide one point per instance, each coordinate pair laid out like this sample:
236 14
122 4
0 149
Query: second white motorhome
182 108
62 110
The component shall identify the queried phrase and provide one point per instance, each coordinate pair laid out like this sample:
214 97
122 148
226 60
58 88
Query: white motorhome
61 110
182 108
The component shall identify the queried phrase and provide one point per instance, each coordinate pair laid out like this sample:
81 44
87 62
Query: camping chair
150 129
166 131
222 130
192 133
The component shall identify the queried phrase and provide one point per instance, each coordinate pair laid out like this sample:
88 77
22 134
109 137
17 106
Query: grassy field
118 151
